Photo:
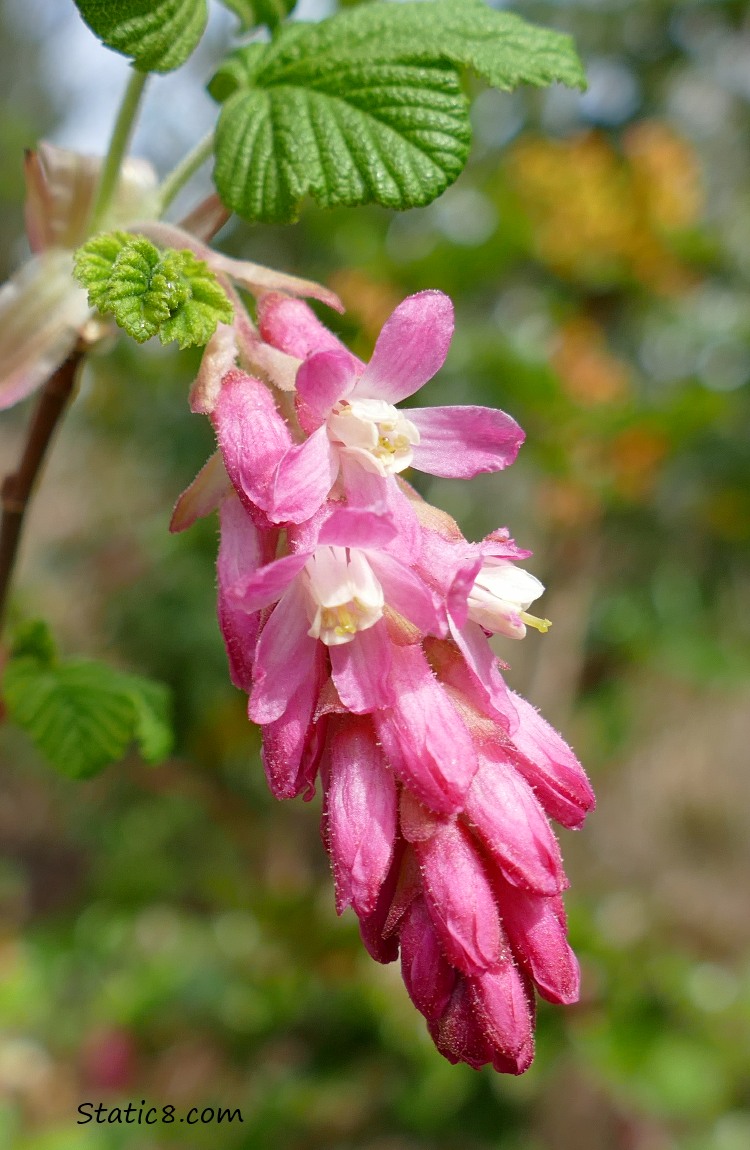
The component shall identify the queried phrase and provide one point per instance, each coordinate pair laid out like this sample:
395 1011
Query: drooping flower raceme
357 619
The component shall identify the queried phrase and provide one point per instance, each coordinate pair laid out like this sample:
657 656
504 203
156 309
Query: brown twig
17 486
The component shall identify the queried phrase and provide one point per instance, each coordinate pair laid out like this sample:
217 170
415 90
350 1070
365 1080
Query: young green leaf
201 303
94 263
367 106
251 13
136 293
150 292
83 715
158 35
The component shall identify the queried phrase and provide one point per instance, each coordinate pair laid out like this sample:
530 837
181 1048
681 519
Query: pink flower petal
268 362
501 1003
517 1063
409 350
447 561
499 545
353 527
219 357
425 741
407 594
305 537
460 900
360 670
538 937
381 944
482 668
361 814
322 380
427 974
513 827
268 583
304 476
549 766
459 442
458 1034
203 495
416 821
293 744
284 658
401 510
252 436
293 327
457 598
408 887
365 490
241 551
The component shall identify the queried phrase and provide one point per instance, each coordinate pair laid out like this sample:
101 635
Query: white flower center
343 595
500 596
375 432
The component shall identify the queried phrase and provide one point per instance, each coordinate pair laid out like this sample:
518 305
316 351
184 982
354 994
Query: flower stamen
374 432
541 625
343 595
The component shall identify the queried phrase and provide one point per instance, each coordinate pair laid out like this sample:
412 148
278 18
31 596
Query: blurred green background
169 934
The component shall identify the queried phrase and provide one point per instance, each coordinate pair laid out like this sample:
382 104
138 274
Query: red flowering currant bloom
357 618
351 428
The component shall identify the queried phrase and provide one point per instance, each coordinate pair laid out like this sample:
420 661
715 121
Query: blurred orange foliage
635 458
590 375
600 216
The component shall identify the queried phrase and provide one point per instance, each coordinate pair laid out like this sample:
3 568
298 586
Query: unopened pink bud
427 974
536 932
361 813
460 900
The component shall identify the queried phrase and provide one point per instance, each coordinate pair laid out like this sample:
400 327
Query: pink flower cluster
357 619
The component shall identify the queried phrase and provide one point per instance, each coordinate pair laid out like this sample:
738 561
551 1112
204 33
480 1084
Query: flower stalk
18 485
118 147
187 167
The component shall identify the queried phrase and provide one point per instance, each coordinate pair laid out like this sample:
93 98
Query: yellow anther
542 625
339 619
346 623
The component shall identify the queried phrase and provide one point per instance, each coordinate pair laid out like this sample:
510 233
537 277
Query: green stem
118 147
180 175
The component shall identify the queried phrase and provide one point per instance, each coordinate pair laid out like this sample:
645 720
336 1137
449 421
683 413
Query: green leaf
367 105
34 638
193 321
153 704
251 13
135 292
94 263
158 35
149 292
83 715
398 136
